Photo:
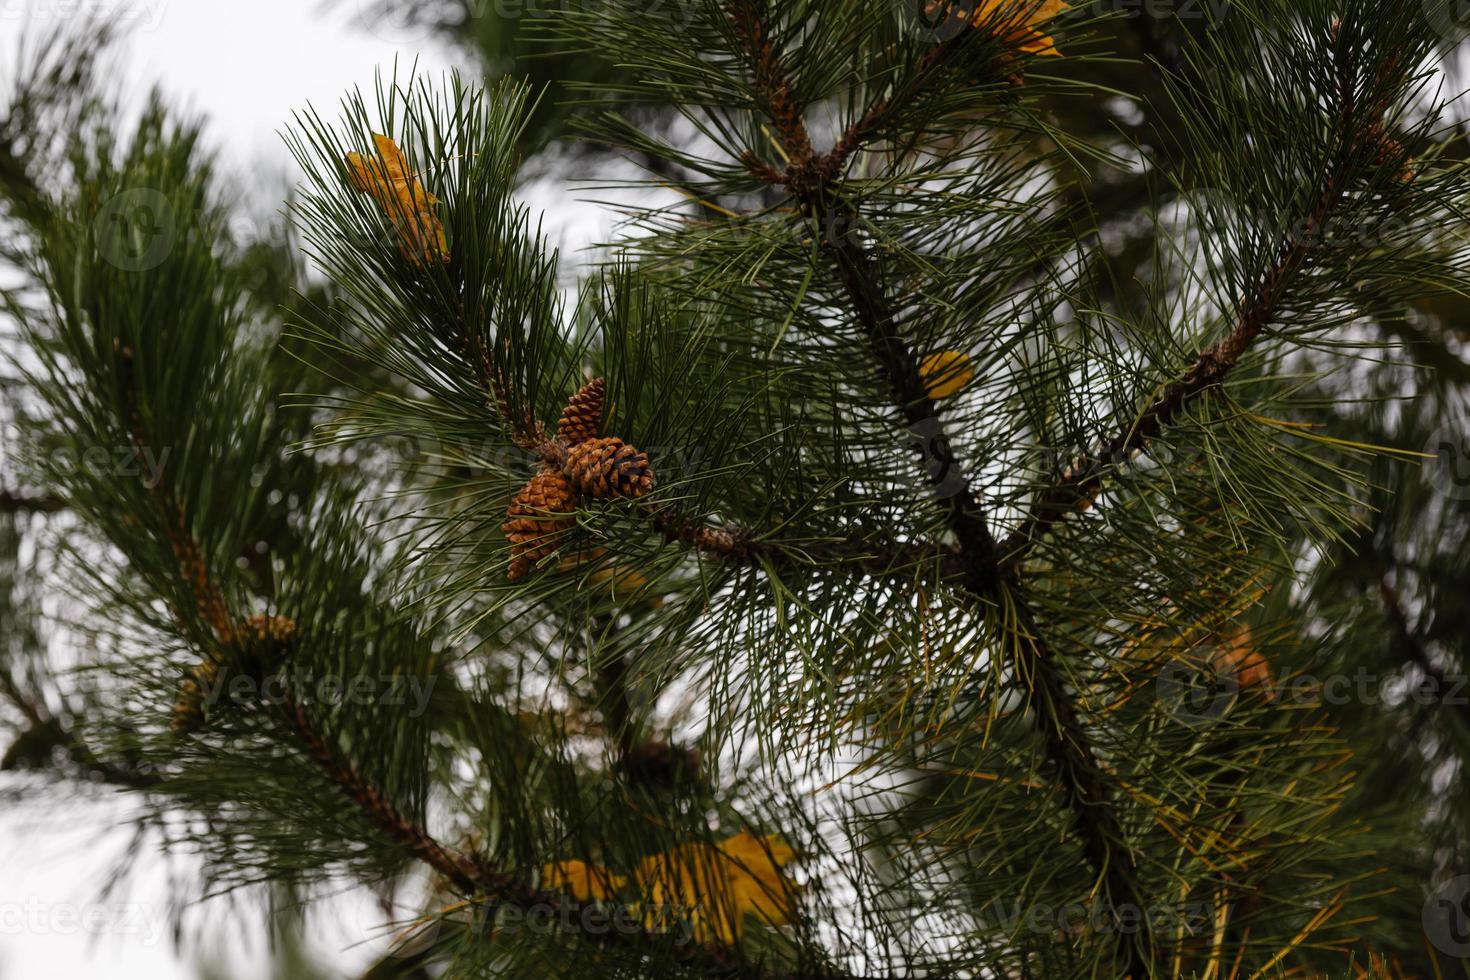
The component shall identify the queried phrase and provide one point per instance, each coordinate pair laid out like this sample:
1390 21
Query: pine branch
469 873
812 181
744 545
815 182
1068 746
466 873
1081 481
753 31
1088 790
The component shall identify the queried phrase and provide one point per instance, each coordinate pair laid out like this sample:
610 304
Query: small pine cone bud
277 629
609 467
535 521
190 709
266 633
582 417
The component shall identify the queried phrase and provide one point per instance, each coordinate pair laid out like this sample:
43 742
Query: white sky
245 67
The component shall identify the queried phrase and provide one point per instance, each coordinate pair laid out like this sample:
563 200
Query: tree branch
1081 481
1068 747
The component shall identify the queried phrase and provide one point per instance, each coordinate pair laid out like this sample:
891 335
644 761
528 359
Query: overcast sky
245 67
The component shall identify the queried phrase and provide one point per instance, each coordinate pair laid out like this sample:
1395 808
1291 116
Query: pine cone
583 415
609 467
533 524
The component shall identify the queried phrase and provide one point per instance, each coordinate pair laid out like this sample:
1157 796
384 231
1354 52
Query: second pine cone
537 519
609 467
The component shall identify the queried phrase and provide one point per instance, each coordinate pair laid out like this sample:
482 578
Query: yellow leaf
582 880
716 886
620 580
409 206
1016 22
946 373
1237 657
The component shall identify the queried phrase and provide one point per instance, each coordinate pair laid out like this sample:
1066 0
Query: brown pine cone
534 522
609 467
582 417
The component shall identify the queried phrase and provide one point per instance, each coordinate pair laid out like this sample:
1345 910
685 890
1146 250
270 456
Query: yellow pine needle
691 196
1300 429
1313 924
775 143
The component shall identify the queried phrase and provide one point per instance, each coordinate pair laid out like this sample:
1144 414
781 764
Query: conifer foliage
891 602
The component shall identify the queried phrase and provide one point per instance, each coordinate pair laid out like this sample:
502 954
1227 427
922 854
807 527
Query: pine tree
883 564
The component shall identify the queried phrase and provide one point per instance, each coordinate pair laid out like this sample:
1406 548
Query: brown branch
1081 481
809 179
741 545
952 492
467 874
1087 789
471 875
753 30
866 127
